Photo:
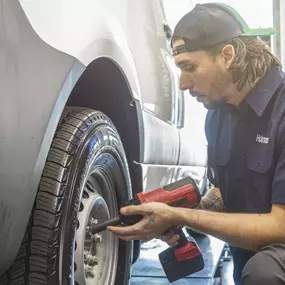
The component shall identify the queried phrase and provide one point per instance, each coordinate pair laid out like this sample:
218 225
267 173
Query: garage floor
147 270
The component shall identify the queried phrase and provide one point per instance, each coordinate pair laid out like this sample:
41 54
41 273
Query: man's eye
189 68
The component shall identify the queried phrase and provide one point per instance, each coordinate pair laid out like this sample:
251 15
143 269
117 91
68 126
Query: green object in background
247 31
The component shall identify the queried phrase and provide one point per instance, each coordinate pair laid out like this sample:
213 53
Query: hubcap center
88 254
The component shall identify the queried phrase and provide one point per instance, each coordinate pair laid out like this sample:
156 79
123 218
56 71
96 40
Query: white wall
257 13
278 42
175 10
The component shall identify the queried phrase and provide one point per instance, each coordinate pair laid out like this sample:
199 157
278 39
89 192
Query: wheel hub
90 258
94 254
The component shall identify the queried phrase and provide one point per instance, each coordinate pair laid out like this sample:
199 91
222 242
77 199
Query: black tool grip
130 220
96 228
183 239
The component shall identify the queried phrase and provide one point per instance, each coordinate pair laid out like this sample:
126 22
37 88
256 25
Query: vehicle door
158 81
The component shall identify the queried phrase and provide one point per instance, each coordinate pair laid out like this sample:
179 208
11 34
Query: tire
84 181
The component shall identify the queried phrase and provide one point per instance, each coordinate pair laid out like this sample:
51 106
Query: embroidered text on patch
262 139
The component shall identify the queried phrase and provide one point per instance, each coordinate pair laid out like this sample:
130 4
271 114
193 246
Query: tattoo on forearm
212 201
151 218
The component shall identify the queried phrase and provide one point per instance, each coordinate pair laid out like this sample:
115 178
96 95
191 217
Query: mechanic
228 68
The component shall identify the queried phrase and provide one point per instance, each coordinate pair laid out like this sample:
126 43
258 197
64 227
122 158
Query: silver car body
45 48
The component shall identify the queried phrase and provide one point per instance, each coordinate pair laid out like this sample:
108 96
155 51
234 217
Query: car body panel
88 29
193 142
161 135
30 109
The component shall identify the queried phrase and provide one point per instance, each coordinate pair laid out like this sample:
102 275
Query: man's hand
170 237
212 201
157 219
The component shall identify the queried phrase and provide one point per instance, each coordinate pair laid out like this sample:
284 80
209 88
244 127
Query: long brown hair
252 61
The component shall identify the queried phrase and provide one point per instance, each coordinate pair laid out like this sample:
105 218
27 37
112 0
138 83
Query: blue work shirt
246 148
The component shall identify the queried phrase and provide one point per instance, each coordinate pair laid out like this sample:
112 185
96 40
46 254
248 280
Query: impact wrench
185 258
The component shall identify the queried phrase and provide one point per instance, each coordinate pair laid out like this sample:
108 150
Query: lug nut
89 272
98 237
93 260
94 221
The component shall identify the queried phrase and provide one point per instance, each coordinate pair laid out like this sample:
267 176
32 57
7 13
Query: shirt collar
260 96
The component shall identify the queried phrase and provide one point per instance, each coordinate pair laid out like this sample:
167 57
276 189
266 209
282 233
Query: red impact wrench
185 258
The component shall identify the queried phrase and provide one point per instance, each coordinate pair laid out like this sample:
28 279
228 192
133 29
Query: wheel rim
96 256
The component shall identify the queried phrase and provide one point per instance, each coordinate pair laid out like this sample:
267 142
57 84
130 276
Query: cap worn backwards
210 24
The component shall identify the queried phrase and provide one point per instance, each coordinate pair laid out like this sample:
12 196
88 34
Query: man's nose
185 83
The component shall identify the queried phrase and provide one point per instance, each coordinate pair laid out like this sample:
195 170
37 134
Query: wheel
84 181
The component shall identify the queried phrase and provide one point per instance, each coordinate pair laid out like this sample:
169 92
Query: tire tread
36 259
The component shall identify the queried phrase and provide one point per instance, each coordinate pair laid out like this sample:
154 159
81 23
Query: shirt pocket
260 166
259 161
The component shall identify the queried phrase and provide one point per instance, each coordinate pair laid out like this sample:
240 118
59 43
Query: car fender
85 30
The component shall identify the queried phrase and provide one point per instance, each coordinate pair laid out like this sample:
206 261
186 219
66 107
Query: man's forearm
249 231
212 201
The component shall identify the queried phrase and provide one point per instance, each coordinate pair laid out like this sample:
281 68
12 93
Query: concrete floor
148 270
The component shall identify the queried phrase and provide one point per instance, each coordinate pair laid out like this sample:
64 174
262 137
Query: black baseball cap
210 24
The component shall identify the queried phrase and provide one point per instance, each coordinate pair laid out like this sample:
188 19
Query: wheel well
103 87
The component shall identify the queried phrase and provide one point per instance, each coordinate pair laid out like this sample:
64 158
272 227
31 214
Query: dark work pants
265 267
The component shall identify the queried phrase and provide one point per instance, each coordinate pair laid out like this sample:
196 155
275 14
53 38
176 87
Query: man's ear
228 54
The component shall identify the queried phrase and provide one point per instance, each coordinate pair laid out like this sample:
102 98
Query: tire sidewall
86 154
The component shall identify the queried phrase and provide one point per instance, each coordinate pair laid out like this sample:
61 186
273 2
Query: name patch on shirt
262 139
